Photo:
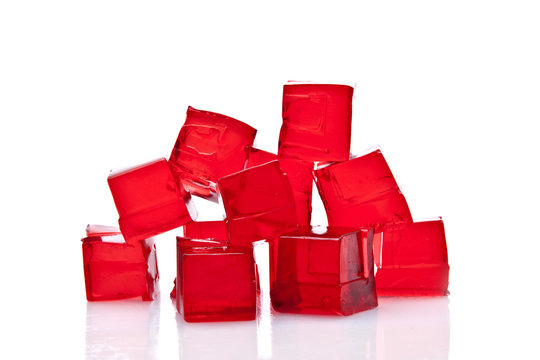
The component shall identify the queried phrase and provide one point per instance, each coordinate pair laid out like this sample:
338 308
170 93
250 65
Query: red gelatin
361 192
300 175
215 282
325 271
209 146
316 122
115 270
216 230
148 200
412 260
259 203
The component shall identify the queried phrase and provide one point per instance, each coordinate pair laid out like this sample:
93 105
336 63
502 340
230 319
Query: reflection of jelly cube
316 122
216 230
209 146
325 270
361 192
215 282
300 175
116 270
411 259
258 202
148 200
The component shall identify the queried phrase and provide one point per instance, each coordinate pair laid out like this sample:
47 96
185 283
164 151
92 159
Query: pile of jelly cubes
371 247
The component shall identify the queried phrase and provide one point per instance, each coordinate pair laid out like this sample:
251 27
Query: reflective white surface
405 328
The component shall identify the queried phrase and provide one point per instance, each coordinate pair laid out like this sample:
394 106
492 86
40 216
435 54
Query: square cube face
216 230
316 122
216 282
300 175
115 270
412 260
328 271
259 203
148 200
209 146
361 192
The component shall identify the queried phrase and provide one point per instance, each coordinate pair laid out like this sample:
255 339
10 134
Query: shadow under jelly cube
325 271
316 122
361 192
209 146
259 203
216 282
412 259
148 200
115 270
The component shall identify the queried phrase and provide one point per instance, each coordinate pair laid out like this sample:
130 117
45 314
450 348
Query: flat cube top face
207 230
361 192
316 122
143 187
414 244
322 232
334 257
259 157
101 230
256 190
210 146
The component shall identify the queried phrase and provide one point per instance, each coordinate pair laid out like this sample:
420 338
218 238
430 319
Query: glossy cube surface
316 122
216 230
325 271
215 282
300 175
116 270
148 200
209 146
361 192
259 203
412 259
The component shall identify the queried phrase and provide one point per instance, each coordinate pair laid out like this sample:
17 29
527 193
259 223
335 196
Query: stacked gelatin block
371 247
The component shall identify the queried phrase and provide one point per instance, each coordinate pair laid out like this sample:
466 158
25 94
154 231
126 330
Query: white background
449 90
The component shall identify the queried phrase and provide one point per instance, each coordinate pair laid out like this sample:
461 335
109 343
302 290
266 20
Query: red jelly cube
114 269
325 271
412 259
316 122
216 230
148 200
361 192
300 175
258 202
215 282
209 146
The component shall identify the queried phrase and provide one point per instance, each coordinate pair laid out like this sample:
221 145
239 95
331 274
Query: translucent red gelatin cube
361 192
215 282
259 203
325 271
216 230
209 146
300 175
316 122
412 259
148 200
116 270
